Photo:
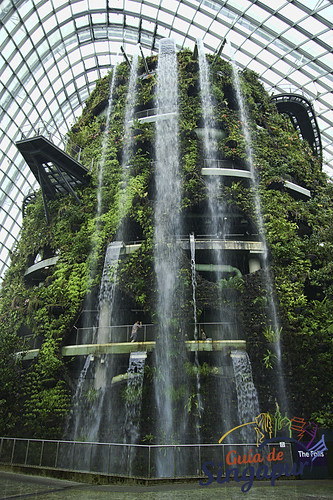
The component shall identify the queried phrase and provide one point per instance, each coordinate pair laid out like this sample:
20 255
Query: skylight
49 46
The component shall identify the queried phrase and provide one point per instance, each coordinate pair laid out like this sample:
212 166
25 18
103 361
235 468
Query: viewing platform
226 172
225 168
55 170
151 115
303 118
128 347
35 271
214 244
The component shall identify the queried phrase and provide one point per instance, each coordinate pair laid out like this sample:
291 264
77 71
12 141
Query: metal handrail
144 332
91 456
63 142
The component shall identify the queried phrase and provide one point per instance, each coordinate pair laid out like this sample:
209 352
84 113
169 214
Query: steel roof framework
53 51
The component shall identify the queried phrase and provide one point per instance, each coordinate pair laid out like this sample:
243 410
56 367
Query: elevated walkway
151 116
56 171
35 272
225 171
303 118
128 347
213 244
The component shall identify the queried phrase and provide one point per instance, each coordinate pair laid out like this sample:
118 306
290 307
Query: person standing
134 333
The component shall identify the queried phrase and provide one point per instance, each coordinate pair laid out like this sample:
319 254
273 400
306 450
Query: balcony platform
213 244
151 116
35 271
245 174
128 347
226 172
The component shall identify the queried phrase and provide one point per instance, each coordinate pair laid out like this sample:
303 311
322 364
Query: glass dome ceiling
53 51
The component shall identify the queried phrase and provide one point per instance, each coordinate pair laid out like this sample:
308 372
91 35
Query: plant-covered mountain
35 395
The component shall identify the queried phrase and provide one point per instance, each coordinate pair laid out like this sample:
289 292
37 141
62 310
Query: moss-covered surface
35 398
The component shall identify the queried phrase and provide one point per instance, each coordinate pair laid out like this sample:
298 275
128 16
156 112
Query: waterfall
87 416
194 285
166 250
135 375
216 210
248 404
128 138
93 261
131 427
105 140
210 146
83 374
207 107
273 316
105 315
196 337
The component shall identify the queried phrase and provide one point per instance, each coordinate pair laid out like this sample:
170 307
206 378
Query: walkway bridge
116 340
302 117
128 347
57 169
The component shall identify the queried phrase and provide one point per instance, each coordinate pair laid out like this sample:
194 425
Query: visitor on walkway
134 333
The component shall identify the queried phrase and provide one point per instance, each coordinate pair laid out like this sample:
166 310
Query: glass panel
292 12
257 13
311 25
82 21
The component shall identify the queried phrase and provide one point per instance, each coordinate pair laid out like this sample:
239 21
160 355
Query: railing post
26 452
199 458
56 457
41 454
109 459
73 455
149 463
90 456
12 457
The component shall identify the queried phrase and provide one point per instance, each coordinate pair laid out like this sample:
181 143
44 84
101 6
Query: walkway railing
52 134
152 112
229 164
145 113
129 460
122 333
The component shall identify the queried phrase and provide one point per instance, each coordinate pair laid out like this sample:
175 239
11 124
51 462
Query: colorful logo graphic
273 430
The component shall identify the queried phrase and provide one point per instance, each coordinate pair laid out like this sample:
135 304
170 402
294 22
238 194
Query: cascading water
88 319
128 139
131 428
248 404
169 427
216 209
210 145
105 141
87 411
83 374
196 337
207 107
273 316
105 316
